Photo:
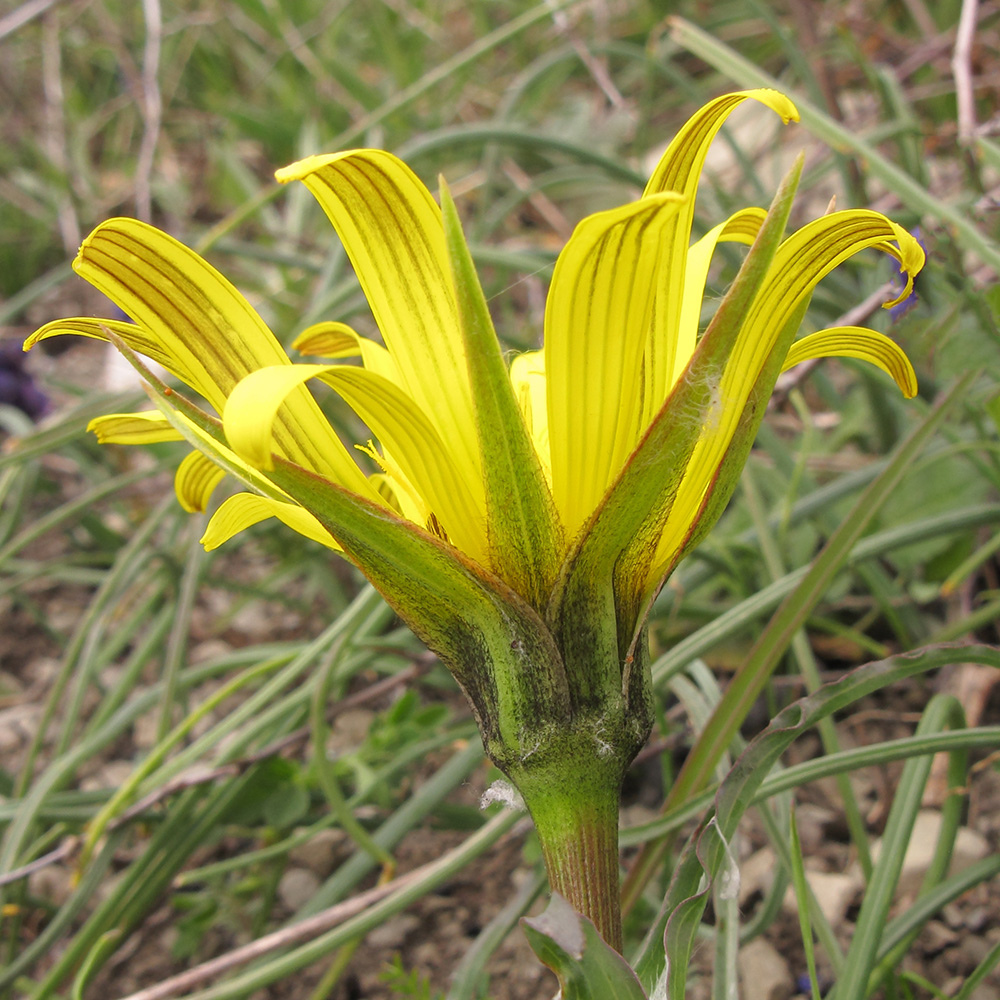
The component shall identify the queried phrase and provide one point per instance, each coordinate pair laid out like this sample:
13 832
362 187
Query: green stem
580 845
574 803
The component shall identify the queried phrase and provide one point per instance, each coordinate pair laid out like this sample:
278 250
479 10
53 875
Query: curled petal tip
89 239
903 295
784 107
304 167
301 169
911 261
776 101
911 251
79 259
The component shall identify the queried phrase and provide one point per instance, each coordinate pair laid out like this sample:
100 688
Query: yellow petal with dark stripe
244 510
597 318
680 166
140 339
679 170
147 427
329 339
194 321
338 340
423 456
800 263
742 227
857 342
196 479
392 231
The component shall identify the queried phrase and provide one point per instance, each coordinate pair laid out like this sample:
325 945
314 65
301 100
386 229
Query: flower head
519 519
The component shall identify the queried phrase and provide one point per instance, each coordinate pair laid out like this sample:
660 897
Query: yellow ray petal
680 166
195 482
679 170
801 262
194 321
742 227
147 427
137 337
527 375
391 228
400 497
247 509
204 328
424 458
857 342
328 339
597 317
338 340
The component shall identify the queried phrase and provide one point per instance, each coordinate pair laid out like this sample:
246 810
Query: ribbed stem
577 824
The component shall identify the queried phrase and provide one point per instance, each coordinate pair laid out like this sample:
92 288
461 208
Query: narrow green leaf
985 967
679 938
771 645
915 916
820 767
802 899
524 532
753 608
588 968
857 981
704 854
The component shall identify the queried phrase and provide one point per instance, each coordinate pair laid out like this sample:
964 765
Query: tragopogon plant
521 520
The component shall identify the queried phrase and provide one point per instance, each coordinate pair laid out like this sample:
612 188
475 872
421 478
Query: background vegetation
198 750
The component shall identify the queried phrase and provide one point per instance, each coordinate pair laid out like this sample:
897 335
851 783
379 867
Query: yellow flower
621 416
621 326
521 519
617 418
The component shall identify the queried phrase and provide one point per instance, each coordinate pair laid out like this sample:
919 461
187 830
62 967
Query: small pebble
936 937
974 950
320 852
977 918
764 974
393 933
297 887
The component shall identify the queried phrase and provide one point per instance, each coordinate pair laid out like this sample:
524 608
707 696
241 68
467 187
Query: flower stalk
574 805
519 518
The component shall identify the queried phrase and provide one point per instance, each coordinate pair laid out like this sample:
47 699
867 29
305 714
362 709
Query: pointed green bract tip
453 232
